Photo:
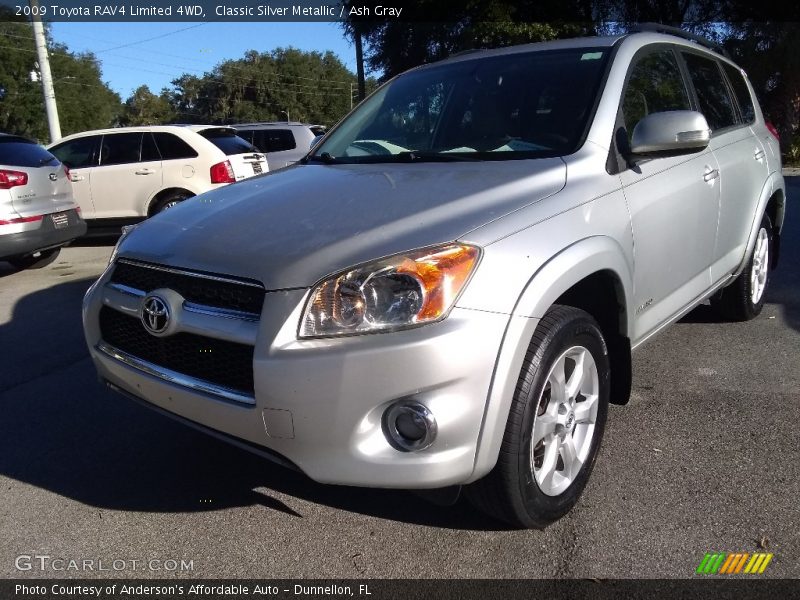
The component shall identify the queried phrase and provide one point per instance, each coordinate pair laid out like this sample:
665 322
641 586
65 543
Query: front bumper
43 237
319 403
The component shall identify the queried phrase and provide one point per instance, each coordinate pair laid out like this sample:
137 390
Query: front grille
198 288
223 363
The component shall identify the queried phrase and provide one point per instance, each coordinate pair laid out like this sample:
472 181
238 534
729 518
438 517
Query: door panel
743 167
674 205
122 185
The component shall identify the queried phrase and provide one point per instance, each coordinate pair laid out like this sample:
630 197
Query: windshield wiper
417 156
325 157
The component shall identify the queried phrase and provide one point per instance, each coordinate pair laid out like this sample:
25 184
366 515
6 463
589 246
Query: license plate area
257 168
60 220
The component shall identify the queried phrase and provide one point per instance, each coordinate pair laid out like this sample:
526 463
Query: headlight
392 293
126 230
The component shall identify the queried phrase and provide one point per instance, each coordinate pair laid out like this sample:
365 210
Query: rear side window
149 149
227 141
741 92
120 149
712 93
18 152
79 153
172 147
273 140
655 85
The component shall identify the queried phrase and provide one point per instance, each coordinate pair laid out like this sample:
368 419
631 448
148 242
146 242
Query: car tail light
9 179
222 173
66 170
773 131
21 219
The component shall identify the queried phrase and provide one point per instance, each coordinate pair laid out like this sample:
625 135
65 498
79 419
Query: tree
84 101
145 108
285 83
394 46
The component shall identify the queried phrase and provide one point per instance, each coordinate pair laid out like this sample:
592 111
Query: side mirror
670 133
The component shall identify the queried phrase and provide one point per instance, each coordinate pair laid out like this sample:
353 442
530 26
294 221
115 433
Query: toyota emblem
155 314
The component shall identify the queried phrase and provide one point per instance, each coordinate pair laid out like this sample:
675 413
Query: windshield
512 106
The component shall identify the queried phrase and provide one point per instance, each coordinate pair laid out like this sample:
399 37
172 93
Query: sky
153 54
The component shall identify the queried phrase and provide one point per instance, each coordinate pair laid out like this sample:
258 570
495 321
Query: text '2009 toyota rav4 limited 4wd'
446 292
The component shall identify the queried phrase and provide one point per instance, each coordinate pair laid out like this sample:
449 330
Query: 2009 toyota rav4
447 290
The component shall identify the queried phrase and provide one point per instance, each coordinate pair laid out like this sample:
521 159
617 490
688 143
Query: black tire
168 201
511 492
735 302
34 262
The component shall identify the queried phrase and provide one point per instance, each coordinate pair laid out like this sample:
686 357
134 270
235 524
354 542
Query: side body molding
565 269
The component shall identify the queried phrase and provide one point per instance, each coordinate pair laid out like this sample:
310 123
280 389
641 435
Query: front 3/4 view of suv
447 290
121 176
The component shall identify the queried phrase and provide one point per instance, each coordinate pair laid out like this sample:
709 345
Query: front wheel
744 298
555 425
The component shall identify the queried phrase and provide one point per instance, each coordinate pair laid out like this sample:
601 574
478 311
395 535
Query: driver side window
654 85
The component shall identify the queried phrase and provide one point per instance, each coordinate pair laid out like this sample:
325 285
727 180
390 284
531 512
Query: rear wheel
168 201
744 298
555 425
34 261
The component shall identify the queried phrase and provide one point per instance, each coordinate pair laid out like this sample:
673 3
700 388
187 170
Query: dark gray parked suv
446 292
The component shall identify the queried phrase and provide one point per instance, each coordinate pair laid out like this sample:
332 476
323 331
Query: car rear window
273 140
19 152
172 147
741 92
227 141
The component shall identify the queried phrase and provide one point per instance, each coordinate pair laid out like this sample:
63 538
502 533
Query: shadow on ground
64 432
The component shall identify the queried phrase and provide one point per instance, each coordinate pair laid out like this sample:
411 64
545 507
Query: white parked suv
124 175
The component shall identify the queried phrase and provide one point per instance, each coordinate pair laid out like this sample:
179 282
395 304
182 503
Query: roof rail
678 32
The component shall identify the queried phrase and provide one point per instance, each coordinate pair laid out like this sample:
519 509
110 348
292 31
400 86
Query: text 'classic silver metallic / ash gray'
447 290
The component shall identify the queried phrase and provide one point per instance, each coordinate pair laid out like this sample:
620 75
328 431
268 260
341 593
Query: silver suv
38 214
447 291
284 143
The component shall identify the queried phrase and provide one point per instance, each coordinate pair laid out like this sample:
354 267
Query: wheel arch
776 211
153 202
595 265
772 198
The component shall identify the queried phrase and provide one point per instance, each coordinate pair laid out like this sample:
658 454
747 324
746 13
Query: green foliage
84 101
145 108
308 86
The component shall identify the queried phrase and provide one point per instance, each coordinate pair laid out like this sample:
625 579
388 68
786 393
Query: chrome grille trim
178 271
173 377
224 313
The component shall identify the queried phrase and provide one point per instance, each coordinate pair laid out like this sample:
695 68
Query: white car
123 175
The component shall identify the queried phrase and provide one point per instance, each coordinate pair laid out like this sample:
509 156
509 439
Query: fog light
409 426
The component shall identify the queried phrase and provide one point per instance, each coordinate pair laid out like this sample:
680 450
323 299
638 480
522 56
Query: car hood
291 228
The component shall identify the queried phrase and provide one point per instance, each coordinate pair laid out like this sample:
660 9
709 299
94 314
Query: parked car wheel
744 298
168 201
34 261
555 425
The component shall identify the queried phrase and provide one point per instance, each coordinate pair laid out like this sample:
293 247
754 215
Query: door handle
759 154
710 175
145 172
76 177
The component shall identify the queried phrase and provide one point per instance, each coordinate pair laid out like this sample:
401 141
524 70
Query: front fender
573 264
